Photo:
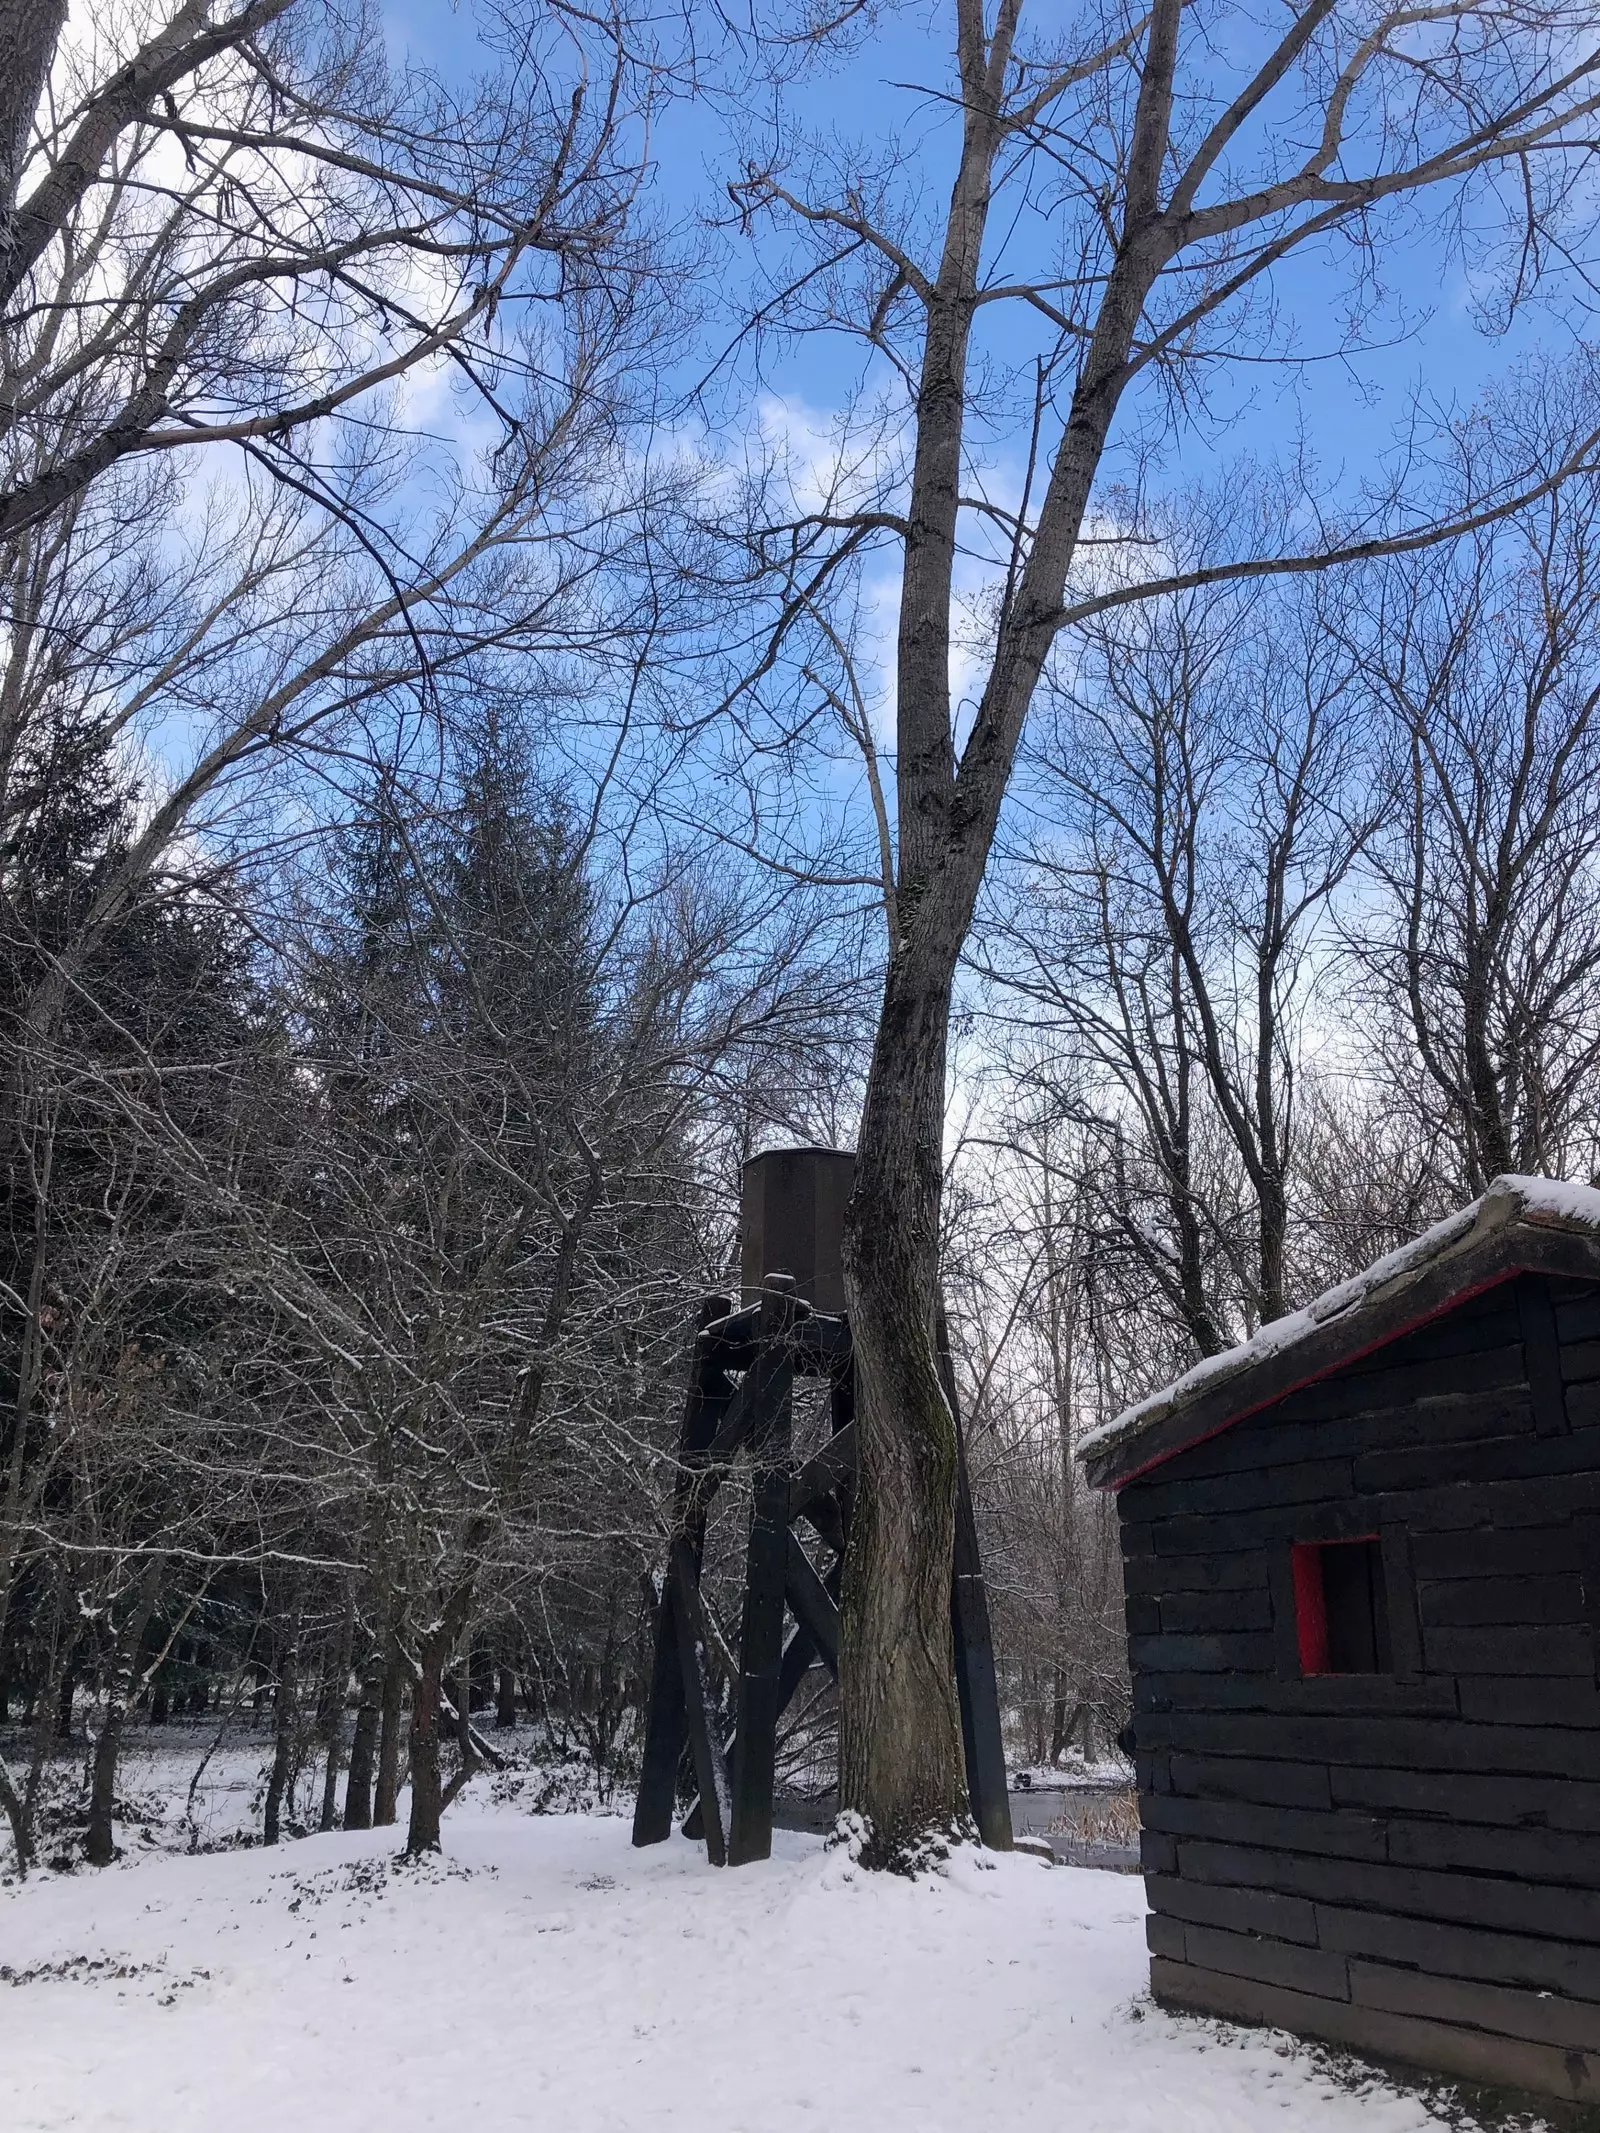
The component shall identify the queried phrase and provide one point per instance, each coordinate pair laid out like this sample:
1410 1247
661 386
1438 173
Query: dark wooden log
1503 1906
1281 1438
1451 1950
1245 1607
1507 1802
1511 1552
665 1713
1499 1602
1586 1536
665 1731
1276 1962
832 1468
800 1655
1264 1783
1400 1741
1539 2017
977 1688
1475 2054
1335 1835
1541 1349
699 1699
1285 1918
814 1609
761 1632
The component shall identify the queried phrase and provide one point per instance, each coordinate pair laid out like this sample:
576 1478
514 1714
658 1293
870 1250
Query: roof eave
1483 1258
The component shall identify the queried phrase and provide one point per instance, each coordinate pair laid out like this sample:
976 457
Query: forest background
448 822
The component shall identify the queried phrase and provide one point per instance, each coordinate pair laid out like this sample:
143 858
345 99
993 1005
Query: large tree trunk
427 1791
364 1743
330 1718
900 1741
100 1837
285 1712
392 1712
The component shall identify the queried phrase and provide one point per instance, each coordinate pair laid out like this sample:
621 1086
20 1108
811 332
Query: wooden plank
1289 1918
1481 1505
699 1696
1541 1353
1267 1784
813 1606
1570 1857
1359 1695
1378 1742
1411 2039
1510 1552
1501 1602
1400 1601
1503 1802
1243 1608
1243 1570
1165 1936
1277 1962
1539 2017
1180 1494
1248 1653
1513 1700
1463 1951
828 1471
1484 1461
666 1730
1577 1309
1537 1648
766 1555
1503 1906
1278 1438
1345 1833
1586 1539
665 1715
760 1661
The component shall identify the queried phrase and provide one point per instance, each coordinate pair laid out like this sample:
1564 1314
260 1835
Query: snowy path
566 1982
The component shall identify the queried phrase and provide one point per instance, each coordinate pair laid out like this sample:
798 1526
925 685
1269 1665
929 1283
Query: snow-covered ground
545 1975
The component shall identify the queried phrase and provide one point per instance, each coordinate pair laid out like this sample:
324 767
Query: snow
546 1975
1552 1201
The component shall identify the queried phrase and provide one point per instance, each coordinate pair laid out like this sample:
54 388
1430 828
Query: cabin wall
1407 1863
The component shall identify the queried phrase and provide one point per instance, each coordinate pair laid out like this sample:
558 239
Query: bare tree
259 293
1129 183
1199 793
1483 972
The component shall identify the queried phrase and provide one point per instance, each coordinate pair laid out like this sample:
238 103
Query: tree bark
364 1743
392 1713
900 1739
285 1705
331 1718
100 1837
427 1791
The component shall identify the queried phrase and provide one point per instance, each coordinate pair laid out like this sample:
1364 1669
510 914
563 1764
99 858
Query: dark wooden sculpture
741 1385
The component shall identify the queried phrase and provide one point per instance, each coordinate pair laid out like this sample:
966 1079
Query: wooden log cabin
1362 1565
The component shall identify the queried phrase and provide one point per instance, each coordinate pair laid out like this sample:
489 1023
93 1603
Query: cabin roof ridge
1466 1251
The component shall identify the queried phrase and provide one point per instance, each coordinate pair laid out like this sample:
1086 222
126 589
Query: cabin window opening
1341 1607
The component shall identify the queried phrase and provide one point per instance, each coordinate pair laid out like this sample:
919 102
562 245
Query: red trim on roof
1314 1377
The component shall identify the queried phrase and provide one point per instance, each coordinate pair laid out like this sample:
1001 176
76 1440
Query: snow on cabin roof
1509 1229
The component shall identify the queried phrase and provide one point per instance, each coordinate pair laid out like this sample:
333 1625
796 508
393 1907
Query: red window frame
1311 1600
